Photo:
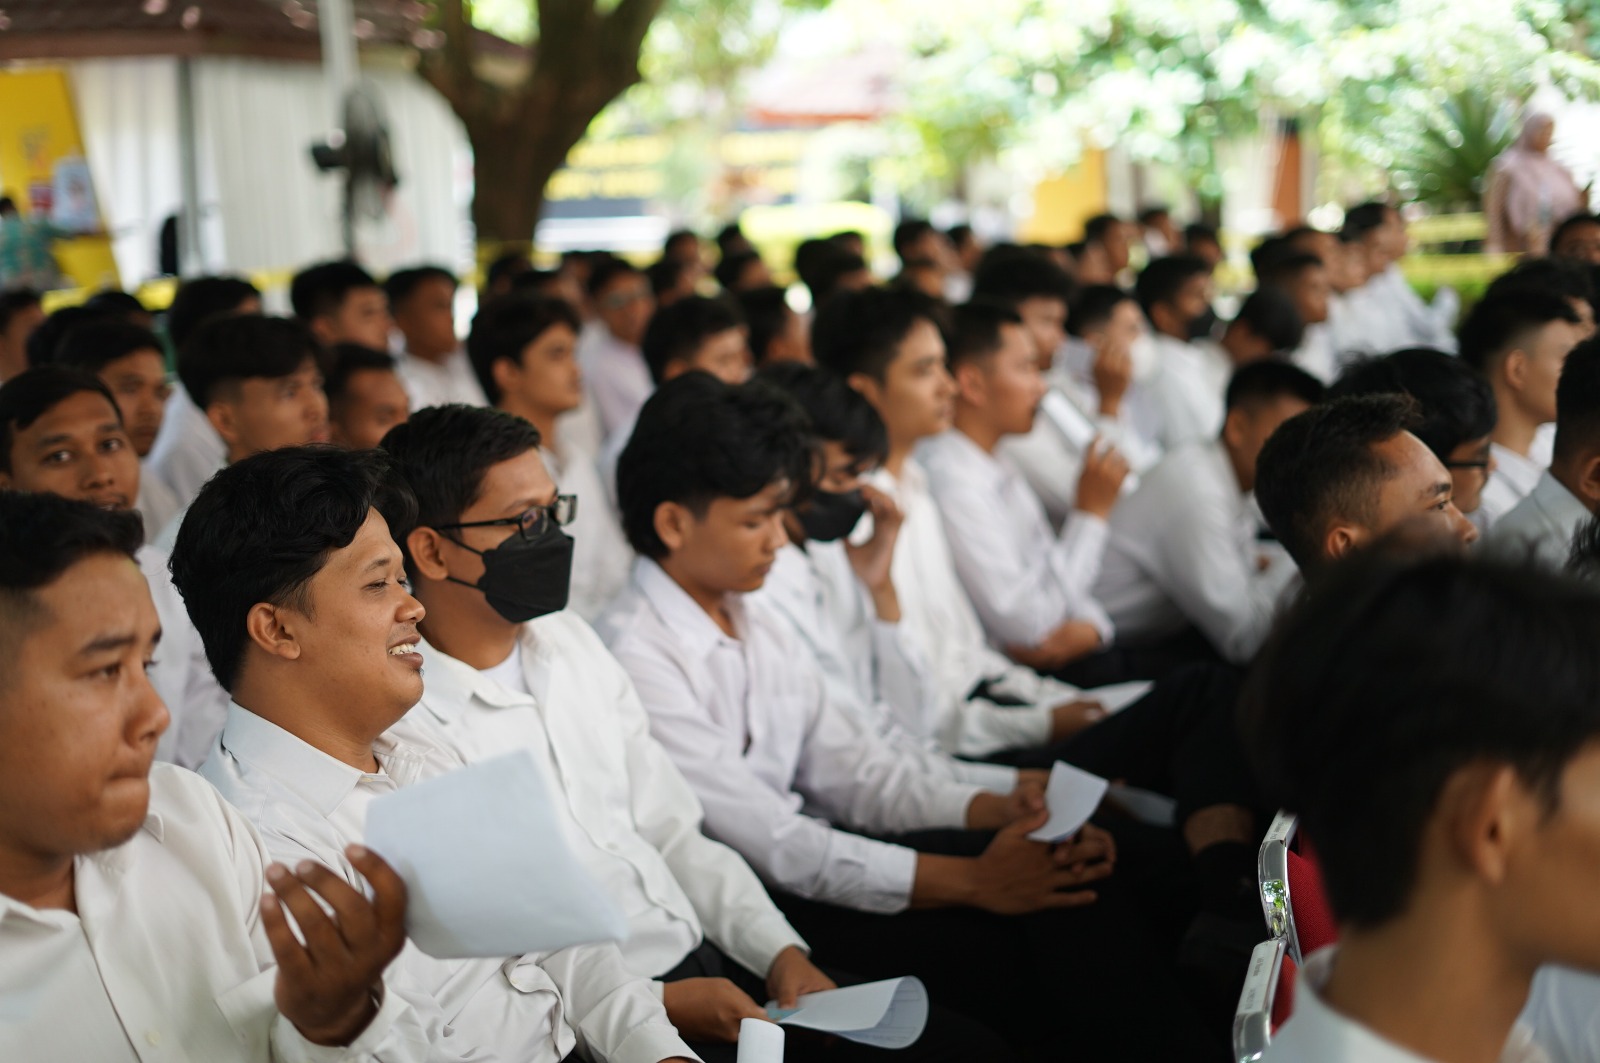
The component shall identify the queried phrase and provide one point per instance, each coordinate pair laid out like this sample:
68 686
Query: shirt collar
450 683
320 780
1559 503
696 630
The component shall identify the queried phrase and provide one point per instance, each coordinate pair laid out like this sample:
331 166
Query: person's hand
872 559
1113 374
1100 482
1073 639
1071 717
708 1009
1016 874
329 987
1091 846
792 973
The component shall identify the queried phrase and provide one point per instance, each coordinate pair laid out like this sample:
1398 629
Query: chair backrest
1272 873
1312 916
1293 898
1266 1000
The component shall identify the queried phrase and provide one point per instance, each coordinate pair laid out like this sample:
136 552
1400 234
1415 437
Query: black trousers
950 1037
1123 661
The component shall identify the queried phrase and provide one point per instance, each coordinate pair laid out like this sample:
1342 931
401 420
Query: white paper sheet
1147 806
1071 795
886 1014
486 867
1119 696
760 1042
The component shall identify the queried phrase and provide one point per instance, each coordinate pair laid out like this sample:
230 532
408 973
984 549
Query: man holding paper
289 574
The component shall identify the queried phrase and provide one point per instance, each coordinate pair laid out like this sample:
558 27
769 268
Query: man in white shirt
365 396
1184 547
614 370
1386 314
1519 341
132 917
1032 589
341 303
432 364
507 671
1453 869
62 434
299 594
524 350
1186 387
1543 524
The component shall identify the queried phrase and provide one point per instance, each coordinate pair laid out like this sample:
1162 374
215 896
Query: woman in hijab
1529 192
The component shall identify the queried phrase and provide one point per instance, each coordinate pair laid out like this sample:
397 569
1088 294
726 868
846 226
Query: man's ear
672 524
322 328
1234 431
1588 483
1342 539
221 416
1515 369
425 547
272 629
1487 812
504 372
972 387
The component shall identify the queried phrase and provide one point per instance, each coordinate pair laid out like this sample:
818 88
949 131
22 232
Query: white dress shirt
1541 526
941 624
536 1007
181 674
187 451
615 375
166 958
1024 580
157 504
1189 390
1513 479
865 663
1316 353
601 555
1183 551
749 725
628 813
1563 1011
430 383
1315 1033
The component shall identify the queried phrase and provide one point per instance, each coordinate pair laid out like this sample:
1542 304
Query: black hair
1321 465
1268 380
1362 219
508 266
1392 676
697 440
732 268
402 283
259 530
91 346
908 232
1093 307
837 412
807 254
1583 561
13 300
729 234
665 274
201 299
33 393
1097 228
1548 275
348 359
861 332
321 289
1268 253
1283 269
830 267
678 236
1577 221
959 234
1019 274
977 330
534 282
440 457
676 332
1454 404
46 339
766 313
1162 280
1199 232
1499 324
503 328
604 269
41 537
1578 402
1271 315
238 347
1153 211
114 301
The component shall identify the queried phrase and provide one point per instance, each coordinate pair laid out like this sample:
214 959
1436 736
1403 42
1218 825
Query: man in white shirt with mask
1456 870
133 922
299 593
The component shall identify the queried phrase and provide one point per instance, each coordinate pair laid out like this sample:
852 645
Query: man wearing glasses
613 367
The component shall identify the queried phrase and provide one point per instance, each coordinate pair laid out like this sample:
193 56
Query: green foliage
1445 166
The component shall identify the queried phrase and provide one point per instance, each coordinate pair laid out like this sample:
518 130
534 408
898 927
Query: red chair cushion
1308 902
1283 1000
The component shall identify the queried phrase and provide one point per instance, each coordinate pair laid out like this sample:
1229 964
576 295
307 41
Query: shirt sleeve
617 1016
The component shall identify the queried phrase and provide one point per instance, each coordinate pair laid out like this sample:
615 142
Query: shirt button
153 1038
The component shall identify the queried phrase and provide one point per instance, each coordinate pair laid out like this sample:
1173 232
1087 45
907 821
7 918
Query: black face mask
526 578
832 515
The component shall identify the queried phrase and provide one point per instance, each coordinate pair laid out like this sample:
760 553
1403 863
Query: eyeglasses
533 522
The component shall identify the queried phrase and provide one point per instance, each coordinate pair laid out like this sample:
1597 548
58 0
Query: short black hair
1364 218
1268 253
1391 676
1093 307
1162 280
1583 561
46 339
403 282
1321 465
259 530
1576 221
1150 212
678 236
1549 275
836 412
1199 232
1501 323
1098 227
733 266
1020 274
321 289
115 301
33 393
959 233
225 350
91 346
697 440
676 332
728 234
861 332
665 274
1285 268
831 265
807 254
604 269
1272 316
1578 402
1269 380
1454 404
503 328
977 330
440 458
766 313
507 266
908 232
14 300
200 300
348 359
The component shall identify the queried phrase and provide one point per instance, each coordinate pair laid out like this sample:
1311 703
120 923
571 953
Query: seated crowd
793 610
